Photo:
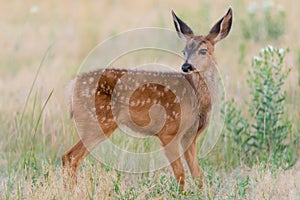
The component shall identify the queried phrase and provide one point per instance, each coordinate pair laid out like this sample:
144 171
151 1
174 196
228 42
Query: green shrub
270 130
236 133
265 137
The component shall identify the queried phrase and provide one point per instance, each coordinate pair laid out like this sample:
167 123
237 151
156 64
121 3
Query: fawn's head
199 50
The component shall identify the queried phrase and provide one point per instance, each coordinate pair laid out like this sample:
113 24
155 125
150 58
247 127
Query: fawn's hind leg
73 157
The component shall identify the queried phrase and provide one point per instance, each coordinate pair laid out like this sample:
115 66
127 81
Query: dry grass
284 185
96 183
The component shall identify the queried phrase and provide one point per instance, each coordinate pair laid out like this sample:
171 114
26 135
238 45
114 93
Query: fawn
93 94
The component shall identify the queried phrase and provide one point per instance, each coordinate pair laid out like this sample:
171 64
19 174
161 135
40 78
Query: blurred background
53 38
73 28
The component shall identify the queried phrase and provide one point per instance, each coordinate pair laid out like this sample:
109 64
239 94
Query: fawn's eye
203 51
183 52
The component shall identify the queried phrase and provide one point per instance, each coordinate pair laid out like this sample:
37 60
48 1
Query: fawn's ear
221 29
183 30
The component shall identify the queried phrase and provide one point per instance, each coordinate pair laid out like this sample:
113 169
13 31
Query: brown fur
107 96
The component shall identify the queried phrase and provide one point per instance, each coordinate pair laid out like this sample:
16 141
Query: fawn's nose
186 67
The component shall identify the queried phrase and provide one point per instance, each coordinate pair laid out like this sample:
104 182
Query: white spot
138 102
83 82
85 93
91 79
176 100
167 88
132 103
148 100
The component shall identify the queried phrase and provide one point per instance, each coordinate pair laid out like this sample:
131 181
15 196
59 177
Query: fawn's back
148 102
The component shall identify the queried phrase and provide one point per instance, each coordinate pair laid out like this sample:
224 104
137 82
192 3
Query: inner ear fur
183 30
222 28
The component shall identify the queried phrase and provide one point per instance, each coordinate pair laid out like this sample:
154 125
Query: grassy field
45 42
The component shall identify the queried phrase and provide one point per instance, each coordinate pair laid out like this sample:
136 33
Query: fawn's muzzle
186 67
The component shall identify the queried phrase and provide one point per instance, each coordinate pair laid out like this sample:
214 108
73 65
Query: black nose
186 67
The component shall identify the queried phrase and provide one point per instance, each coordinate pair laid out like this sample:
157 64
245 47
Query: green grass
33 169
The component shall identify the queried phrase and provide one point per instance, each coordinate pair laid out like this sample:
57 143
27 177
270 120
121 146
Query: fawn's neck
205 85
